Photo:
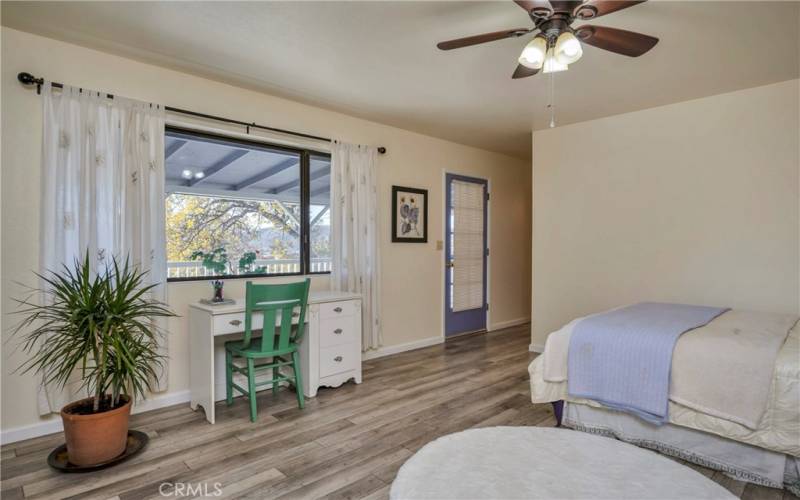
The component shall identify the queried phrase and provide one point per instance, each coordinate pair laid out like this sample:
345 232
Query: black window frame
305 200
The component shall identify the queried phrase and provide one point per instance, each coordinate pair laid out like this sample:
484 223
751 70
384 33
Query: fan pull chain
551 106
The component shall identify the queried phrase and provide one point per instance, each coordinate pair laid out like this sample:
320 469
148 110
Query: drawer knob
338 331
338 359
337 309
235 322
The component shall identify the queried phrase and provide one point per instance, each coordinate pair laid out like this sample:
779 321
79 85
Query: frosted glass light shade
534 53
568 48
552 65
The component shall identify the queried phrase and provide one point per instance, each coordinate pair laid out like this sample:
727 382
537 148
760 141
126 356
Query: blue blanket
623 358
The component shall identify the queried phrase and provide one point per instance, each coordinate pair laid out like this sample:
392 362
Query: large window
238 208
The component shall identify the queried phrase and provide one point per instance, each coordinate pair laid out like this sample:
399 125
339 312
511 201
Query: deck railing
195 269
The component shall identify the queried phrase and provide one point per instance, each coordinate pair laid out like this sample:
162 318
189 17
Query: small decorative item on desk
218 299
217 262
218 284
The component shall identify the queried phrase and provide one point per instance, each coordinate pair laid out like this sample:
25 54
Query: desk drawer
234 322
336 331
338 359
337 309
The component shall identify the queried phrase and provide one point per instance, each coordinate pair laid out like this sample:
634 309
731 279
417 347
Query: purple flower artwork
409 218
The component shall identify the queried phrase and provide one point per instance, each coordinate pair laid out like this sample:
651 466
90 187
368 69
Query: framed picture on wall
409 215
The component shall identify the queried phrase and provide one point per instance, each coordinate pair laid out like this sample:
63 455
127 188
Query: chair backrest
285 301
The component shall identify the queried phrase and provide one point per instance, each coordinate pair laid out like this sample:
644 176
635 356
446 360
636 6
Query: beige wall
412 274
695 202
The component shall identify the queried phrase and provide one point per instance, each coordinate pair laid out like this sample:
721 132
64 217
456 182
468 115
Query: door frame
443 255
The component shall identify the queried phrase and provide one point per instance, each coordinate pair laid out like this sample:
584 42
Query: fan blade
597 8
565 5
622 42
486 37
539 8
523 71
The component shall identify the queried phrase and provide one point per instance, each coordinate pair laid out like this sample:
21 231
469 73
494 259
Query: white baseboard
419 344
54 424
49 426
536 348
396 349
508 324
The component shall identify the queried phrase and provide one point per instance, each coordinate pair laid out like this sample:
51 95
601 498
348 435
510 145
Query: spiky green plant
100 324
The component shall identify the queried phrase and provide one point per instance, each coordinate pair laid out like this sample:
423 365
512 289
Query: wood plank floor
348 442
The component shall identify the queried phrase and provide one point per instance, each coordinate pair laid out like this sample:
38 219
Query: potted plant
217 262
100 326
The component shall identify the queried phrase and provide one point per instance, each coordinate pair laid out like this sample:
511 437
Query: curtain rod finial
28 79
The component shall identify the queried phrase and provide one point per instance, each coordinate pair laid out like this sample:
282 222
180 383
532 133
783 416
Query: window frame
305 199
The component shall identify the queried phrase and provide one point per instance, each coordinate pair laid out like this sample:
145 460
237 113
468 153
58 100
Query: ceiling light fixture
568 49
552 64
552 28
199 175
533 55
186 174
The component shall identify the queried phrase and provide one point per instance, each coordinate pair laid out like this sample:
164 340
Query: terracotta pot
97 438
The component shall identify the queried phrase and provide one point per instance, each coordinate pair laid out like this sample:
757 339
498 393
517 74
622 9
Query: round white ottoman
540 462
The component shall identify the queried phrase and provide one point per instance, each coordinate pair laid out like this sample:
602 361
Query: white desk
330 352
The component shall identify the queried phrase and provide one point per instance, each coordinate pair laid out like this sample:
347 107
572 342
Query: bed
765 452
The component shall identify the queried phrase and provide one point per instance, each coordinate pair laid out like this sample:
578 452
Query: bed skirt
740 461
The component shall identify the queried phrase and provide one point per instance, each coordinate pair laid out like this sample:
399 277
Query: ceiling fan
558 44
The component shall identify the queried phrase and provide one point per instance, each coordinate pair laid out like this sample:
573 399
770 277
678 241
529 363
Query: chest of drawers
332 347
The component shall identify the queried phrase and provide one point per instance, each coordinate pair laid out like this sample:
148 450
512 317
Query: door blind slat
468 243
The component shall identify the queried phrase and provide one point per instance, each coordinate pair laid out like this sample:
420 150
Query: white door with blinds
466 254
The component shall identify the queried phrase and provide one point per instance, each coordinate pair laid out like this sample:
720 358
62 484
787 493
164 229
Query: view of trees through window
236 210
268 229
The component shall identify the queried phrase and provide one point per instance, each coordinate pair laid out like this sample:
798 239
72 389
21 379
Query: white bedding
778 430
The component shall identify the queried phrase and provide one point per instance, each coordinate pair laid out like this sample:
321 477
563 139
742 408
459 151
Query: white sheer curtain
354 232
102 191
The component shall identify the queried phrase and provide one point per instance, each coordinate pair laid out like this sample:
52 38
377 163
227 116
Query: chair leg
275 374
298 380
228 377
251 387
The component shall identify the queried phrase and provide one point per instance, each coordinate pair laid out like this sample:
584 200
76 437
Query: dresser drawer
338 359
337 309
336 331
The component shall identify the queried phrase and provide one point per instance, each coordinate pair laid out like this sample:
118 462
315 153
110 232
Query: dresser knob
337 309
338 359
338 331
235 322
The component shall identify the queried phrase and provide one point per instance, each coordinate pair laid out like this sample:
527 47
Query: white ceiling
379 60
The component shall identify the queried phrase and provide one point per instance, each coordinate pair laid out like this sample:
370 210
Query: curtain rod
28 79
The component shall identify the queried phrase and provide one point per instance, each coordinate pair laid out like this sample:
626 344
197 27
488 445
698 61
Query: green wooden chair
273 350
